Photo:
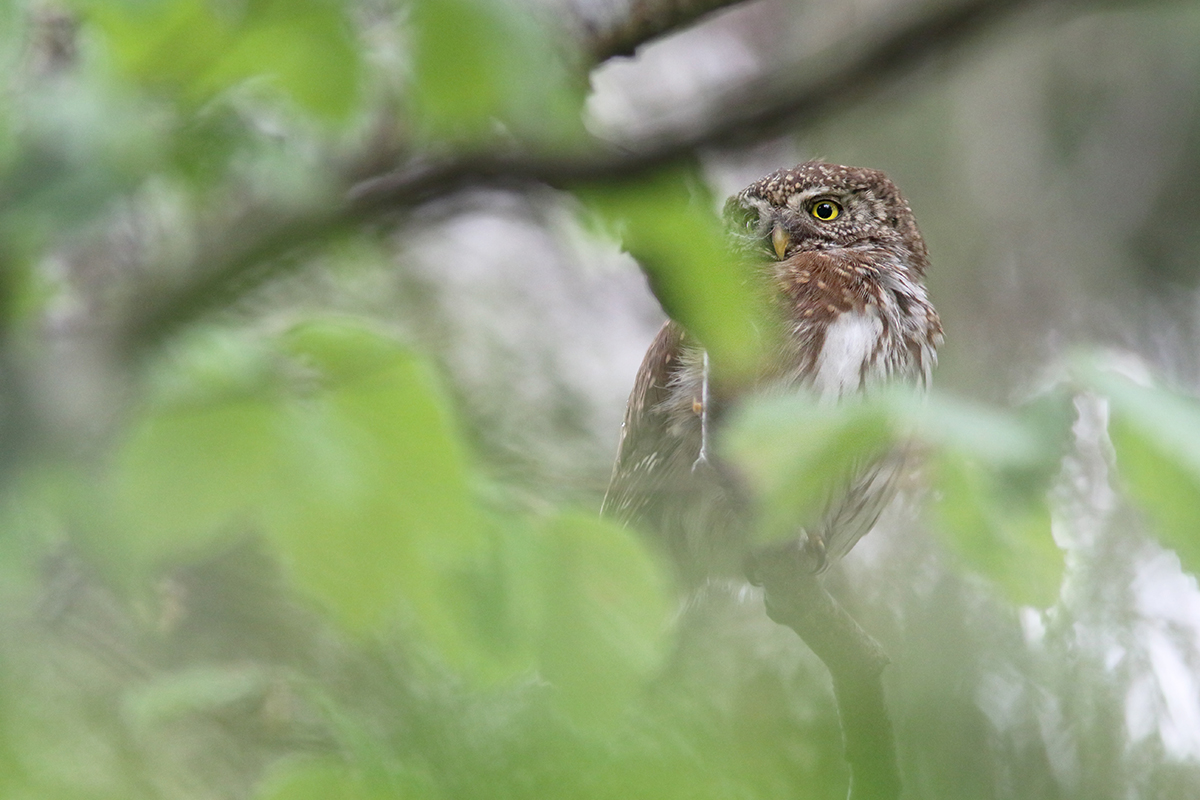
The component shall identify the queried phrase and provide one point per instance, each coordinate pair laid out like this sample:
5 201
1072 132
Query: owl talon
804 554
813 552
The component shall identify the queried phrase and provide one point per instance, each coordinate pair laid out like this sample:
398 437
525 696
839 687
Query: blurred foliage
990 471
668 225
446 635
193 50
336 443
1156 439
483 69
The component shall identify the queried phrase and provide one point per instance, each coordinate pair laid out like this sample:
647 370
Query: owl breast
857 320
850 357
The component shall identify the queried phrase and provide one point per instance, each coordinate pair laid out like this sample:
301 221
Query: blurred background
318 320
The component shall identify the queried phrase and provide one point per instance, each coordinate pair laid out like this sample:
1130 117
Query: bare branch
776 102
796 598
619 27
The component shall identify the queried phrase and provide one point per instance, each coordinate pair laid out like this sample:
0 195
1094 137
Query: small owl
840 255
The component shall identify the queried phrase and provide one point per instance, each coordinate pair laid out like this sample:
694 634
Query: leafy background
299 497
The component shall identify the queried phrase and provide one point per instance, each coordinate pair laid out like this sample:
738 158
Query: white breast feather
850 342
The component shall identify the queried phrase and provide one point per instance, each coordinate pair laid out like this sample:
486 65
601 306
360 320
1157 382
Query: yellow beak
780 240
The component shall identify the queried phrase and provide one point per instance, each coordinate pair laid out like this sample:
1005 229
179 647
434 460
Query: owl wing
855 504
647 447
690 507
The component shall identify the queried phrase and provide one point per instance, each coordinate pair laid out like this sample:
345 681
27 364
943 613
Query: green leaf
998 524
604 617
991 473
304 47
314 780
327 779
1156 438
164 45
477 63
999 438
794 450
343 454
188 476
1163 485
381 508
194 690
76 146
192 50
668 224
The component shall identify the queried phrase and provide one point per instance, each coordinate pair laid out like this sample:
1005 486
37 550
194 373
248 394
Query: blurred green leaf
337 444
305 47
605 615
194 690
998 524
14 43
461 80
667 223
314 780
479 62
327 779
381 506
1156 437
997 437
795 450
187 474
165 45
339 350
341 450
76 148
195 49
991 472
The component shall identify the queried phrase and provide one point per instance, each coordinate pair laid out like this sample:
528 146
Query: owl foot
812 549
805 555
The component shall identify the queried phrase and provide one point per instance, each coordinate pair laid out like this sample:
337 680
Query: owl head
819 206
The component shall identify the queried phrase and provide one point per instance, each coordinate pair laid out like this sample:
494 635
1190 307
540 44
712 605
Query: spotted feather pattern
854 315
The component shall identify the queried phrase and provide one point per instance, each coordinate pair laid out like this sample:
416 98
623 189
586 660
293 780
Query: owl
839 254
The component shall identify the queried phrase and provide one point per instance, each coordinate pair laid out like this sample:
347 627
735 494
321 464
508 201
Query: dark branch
613 29
776 101
773 103
795 597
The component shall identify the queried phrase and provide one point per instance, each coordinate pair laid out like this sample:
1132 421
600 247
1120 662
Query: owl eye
825 210
741 216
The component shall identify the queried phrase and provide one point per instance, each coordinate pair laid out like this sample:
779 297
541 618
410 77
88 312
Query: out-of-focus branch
754 112
796 598
618 27
789 97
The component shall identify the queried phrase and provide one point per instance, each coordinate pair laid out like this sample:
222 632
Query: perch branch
795 597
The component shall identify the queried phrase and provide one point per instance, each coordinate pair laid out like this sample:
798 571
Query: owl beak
780 240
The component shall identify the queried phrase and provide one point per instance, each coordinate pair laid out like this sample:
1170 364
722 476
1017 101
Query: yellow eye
826 210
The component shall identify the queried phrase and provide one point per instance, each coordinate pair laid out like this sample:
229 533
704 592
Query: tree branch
617 28
773 103
796 598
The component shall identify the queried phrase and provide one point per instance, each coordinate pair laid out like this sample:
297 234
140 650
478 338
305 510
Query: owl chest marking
849 353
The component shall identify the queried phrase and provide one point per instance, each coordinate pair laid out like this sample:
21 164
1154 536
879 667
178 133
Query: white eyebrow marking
797 200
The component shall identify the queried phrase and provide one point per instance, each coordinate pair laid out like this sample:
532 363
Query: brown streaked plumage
842 258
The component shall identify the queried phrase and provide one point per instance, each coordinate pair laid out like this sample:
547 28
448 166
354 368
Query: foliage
1156 439
530 649
991 470
667 223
